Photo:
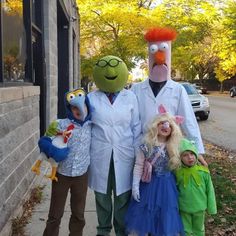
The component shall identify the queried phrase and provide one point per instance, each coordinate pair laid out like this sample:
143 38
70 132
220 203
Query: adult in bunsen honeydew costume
115 131
159 88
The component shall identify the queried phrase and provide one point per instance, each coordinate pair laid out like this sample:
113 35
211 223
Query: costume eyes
70 96
153 48
77 93
112 62
163 47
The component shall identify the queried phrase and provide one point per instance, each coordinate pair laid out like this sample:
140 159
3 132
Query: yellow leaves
204 43
220 74
114 27
224 48
13 7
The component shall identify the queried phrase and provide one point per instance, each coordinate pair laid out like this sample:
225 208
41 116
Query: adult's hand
202 160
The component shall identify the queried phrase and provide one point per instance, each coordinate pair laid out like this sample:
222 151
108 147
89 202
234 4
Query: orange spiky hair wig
160 34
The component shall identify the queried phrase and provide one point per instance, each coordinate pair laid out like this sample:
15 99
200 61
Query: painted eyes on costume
153 48
70 97
112 63
77 93
163 47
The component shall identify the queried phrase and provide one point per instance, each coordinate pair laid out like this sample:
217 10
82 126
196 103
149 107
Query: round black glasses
112 62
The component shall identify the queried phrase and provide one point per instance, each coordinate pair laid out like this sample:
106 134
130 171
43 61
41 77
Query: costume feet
52 176
36 167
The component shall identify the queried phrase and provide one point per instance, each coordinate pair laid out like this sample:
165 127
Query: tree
117 27
13 6
192 55
114 27
224 43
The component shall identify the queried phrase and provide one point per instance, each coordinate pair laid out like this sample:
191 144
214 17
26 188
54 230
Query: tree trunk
221 87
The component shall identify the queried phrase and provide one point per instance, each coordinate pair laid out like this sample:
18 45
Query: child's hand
136 194
66 133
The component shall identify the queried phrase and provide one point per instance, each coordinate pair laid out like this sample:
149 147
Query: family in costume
99 144
115 133
72 171
154 207
196 191
159 88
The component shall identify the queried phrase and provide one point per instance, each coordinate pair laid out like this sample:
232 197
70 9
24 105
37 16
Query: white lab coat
115 127
176 101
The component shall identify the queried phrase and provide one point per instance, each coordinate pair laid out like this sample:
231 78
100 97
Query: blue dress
157 212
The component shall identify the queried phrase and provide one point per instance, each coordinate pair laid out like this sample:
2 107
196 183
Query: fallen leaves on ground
19 223
222 166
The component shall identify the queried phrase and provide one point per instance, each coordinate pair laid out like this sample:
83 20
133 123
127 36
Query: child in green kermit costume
196 191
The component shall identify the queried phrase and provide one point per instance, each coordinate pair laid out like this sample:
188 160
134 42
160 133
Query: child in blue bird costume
54 146
67 143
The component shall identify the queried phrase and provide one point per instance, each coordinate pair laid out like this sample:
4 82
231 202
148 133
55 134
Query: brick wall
19 115
50 43
19 129
51 53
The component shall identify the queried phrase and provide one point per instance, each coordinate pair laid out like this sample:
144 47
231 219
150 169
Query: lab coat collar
101 95
169 84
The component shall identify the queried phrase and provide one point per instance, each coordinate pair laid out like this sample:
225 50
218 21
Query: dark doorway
38 72
63 58
39 75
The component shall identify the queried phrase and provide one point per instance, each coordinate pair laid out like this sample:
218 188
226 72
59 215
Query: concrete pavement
39 215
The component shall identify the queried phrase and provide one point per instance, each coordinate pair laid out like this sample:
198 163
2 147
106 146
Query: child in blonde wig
154 207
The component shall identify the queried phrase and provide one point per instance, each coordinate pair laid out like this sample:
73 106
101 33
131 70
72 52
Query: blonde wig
173 141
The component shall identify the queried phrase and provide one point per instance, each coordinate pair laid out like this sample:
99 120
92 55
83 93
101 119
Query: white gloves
135 189
137 173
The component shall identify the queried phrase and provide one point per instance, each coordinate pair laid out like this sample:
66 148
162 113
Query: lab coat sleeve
136 125
190 126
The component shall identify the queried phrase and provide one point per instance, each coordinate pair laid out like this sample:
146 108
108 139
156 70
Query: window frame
27 21
1 62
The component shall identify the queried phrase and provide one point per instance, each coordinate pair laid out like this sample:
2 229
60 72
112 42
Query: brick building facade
39 50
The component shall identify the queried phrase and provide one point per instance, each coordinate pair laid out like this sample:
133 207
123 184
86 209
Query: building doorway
63 57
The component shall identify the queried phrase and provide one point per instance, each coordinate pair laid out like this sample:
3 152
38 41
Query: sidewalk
217 94
40 213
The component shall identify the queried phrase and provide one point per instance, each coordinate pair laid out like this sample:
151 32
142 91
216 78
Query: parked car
232 92
200 89
199 102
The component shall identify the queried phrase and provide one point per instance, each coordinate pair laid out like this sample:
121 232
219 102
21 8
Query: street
220 128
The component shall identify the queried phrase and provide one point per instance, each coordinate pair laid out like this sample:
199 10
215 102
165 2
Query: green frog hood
187 145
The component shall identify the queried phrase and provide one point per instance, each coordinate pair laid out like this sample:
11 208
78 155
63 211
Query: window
16 62
36 12
13 41
190 89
